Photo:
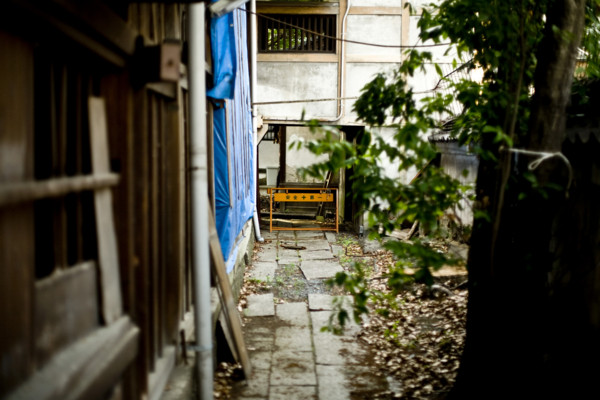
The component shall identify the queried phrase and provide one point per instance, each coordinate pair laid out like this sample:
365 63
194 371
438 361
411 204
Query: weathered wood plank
65 309
229 307
141 165
175 182
28 191
87 369
112 305
16 223
154 227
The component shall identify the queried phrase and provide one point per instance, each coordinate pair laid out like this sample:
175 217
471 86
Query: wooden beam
28 191
298 57
226 295
17 235
112 304
363 10
87 369
282 8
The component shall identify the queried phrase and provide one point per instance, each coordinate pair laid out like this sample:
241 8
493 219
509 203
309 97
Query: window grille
291 33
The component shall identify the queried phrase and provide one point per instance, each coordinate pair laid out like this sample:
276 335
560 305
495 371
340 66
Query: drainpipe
341 68
253 83
200 205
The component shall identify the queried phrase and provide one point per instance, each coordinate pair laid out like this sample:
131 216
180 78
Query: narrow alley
292 358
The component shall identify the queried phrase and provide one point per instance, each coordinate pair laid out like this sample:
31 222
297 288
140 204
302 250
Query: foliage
500 38
589 66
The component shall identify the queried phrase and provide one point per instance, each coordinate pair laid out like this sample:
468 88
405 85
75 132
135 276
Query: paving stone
323 302
320 319
258 331
314 245
293 337
319 269
332 349
293 313
289 261
286 235
260 305
331 237
284 253
370 246
293 393
272 245
333 384
316 255
268 254
291 368
337 250
259 344
264 232
309 235
260 359
257 385
263 270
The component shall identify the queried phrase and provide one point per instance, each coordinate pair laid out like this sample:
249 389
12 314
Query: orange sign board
307 197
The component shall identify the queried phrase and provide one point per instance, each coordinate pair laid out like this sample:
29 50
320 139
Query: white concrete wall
377 29
279 81
359 74
296 159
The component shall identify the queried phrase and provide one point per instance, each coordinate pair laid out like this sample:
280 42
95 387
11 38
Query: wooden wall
78 278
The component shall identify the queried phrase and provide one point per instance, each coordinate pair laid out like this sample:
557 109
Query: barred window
292 33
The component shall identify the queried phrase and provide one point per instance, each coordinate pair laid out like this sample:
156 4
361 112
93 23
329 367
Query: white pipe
200 206
253 83
342 69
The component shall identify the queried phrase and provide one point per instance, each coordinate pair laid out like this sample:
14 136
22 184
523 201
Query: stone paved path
291 357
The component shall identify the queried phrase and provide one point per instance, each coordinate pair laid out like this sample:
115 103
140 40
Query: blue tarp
233 147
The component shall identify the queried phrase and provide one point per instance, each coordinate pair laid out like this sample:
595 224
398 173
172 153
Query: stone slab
286 235
370 246
263 271
257 385
331 237
333 349
293 337
267 254
293 313
314 245
264 232
337 250
320 319
316 255
290 368
260 359
260 305
293 393
309 235
288 261
320 269
324 302
283 253
333 384
253 344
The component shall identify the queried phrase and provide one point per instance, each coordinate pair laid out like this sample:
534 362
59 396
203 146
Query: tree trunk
510 310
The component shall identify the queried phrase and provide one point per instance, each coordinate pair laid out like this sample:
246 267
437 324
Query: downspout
341 68
200 205
253 84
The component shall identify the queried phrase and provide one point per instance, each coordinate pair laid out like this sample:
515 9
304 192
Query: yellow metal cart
314 195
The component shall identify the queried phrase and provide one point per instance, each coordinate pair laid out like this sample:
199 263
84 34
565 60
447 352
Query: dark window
291 33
